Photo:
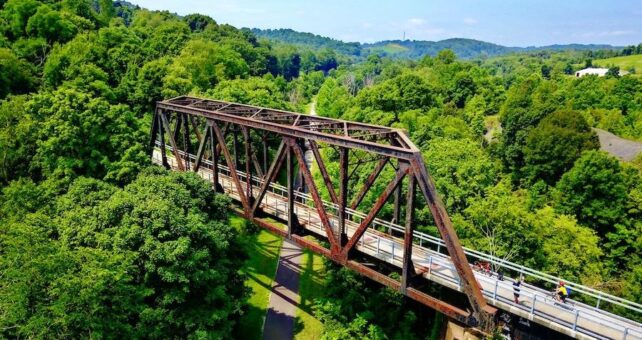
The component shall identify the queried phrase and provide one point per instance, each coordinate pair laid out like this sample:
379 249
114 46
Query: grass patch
310 288
625 63
263 250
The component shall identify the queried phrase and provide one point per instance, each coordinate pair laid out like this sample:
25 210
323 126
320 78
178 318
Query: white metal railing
537 295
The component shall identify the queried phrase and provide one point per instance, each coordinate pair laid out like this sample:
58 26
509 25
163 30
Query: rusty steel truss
260 140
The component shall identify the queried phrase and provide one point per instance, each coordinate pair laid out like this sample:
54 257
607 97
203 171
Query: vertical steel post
186 142
235 147
396 214
248 164
153 134
408 267
265 154
290 182
162 139
343 195
214 150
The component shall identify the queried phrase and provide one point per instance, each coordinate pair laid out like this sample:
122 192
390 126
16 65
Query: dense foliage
95 244
510 144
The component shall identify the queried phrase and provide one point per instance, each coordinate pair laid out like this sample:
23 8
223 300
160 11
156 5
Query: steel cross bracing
575 319
228 134
236 140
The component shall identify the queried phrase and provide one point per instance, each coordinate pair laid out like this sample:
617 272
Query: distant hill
464 48
290 36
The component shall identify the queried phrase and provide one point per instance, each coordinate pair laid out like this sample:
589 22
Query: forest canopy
94 242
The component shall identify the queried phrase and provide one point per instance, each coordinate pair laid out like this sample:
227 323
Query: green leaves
81 134
200 66
553 146
154 259
594 190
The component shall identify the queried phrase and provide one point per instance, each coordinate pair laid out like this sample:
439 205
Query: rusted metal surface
323 170
381 200
407 271
318 203
288 133
270 176
368 184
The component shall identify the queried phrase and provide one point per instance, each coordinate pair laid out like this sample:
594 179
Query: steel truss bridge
241 150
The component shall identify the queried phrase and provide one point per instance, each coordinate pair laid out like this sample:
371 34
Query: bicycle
565 303
484 267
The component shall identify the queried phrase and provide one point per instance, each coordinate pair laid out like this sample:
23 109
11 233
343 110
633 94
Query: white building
600 72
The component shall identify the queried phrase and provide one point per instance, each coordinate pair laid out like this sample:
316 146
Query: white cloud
420 29
470 21
416 22
602 34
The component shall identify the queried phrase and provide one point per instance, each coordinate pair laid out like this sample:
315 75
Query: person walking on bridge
516 285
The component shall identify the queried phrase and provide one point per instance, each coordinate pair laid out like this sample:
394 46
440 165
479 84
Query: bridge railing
438 245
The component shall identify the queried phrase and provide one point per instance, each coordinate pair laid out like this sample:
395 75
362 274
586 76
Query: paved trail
284 299
617 146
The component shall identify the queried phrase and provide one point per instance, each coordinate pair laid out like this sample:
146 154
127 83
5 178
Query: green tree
52 25
152 260
613 71
198 22
253 91
200 66
18 137
16 75
570 250
332 99
405 92
16 14
446 56
82 135
461 170
555 143
594 191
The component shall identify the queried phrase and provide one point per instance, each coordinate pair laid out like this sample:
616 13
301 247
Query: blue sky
506 22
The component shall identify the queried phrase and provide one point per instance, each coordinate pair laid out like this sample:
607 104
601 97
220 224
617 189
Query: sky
505 22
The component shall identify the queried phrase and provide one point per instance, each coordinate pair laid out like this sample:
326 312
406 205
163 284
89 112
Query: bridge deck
574 319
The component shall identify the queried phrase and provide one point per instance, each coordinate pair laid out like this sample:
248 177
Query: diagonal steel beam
231 165
172 141
381 200
257 165
303 167
201 147
324 171
369 181
470 285
269 177
192 120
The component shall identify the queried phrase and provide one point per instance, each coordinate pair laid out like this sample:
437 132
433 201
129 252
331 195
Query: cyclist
562 293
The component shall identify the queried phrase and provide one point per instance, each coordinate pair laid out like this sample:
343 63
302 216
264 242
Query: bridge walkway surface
384 240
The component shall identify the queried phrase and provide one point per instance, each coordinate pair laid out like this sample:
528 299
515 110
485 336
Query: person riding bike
562 292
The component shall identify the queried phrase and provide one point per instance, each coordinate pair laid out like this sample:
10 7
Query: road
617 146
